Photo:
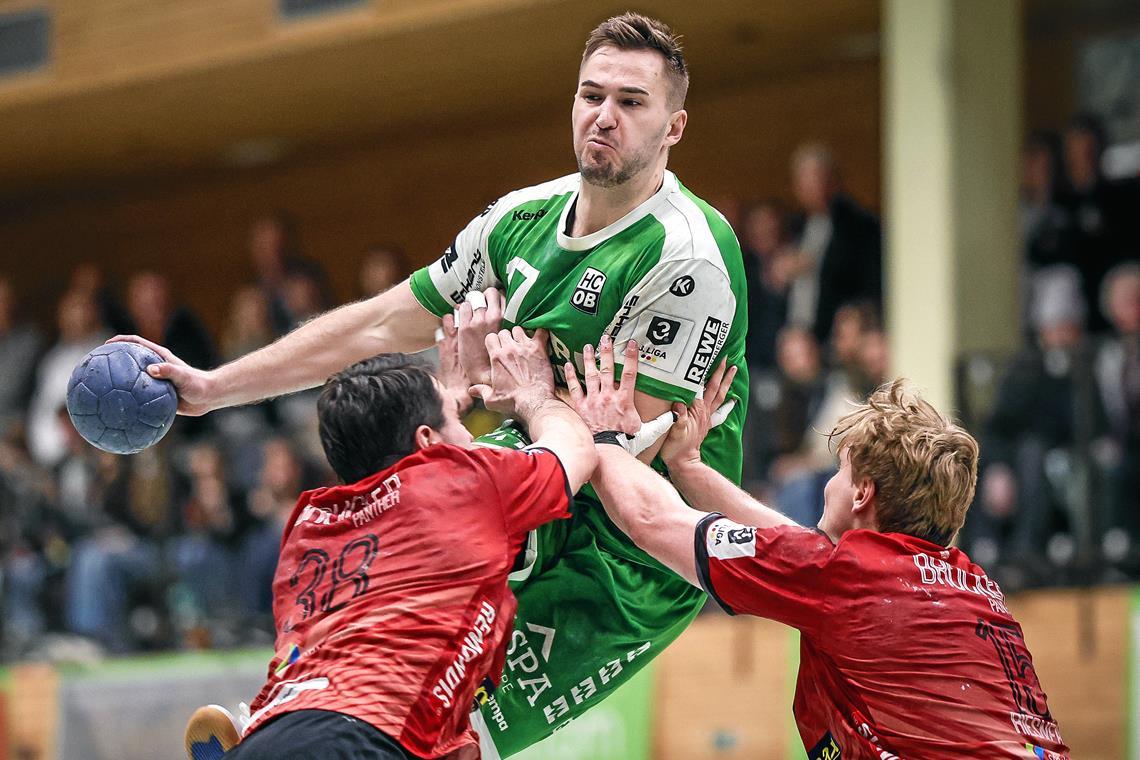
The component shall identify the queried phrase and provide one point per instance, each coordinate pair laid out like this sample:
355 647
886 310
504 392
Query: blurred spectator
874 361
275 255
381 267
838 256
801 420
283 476
88 278
764 236
79 331
303 296
1118 380
853 321
117 569
29 548
19 352
1027 479
1102 213
1046 229
155 317
248 326
205 556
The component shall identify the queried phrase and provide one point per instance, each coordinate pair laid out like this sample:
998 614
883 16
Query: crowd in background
176 546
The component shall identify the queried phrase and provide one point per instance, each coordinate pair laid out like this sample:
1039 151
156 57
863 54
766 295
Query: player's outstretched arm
522 385
391 321
702 485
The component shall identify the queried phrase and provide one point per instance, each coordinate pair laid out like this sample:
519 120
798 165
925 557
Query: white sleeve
679 314
465 265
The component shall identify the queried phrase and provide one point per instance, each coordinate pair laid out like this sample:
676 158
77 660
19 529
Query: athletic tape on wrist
612 437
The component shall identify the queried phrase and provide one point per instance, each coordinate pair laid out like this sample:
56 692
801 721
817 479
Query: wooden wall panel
421 188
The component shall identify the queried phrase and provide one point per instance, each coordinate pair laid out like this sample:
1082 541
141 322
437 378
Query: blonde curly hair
924 467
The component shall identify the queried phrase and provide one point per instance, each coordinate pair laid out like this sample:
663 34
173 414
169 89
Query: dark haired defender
390 597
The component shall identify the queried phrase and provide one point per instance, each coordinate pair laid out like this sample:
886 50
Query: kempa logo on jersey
528 216
712 337
588 291
682 286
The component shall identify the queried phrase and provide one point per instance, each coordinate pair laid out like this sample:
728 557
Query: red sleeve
531 484
777 573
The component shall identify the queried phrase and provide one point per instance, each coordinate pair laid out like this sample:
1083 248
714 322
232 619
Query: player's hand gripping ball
114 404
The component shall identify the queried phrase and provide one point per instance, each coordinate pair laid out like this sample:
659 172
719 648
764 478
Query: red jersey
907 649
390 596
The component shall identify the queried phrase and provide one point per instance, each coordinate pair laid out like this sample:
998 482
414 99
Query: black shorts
309 734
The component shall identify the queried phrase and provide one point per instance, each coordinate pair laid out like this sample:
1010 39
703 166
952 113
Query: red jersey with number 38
907 649
390 596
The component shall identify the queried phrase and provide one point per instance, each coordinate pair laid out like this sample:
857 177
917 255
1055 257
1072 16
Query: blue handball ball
114 404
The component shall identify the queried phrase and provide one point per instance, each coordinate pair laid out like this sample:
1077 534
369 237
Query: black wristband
607 436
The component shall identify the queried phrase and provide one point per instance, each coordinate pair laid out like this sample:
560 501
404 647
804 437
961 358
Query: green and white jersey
668 275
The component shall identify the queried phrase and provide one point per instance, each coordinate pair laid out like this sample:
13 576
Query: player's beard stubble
603 170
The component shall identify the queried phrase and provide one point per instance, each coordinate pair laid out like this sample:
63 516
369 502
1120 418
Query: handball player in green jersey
620 249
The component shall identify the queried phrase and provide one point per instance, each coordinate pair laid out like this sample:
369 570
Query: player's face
452 430
623 125
839 499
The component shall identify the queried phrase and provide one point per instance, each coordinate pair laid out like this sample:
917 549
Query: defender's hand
521 378
197 391
694 421
603 405
451 374
480 315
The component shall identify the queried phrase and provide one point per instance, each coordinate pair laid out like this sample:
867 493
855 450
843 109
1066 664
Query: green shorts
593 610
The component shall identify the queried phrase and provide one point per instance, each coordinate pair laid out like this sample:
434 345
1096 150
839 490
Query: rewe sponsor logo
712 337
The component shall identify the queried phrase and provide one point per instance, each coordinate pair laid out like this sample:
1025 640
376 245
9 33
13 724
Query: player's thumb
162 371
480 391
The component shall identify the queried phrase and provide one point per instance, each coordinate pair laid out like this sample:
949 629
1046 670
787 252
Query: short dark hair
369 413
633 31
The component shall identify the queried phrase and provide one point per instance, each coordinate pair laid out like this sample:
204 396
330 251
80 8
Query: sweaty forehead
610 66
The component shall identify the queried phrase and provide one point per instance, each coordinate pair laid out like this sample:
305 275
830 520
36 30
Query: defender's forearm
707 489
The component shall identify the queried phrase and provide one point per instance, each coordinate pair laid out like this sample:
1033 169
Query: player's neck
599 207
